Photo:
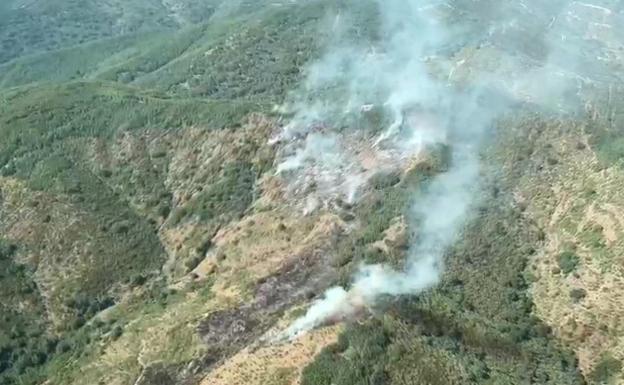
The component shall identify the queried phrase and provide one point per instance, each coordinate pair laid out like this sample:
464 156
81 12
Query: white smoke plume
443 71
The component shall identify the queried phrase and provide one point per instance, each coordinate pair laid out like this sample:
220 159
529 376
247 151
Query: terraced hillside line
578 272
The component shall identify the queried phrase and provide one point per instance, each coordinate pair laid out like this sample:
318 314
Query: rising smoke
443 72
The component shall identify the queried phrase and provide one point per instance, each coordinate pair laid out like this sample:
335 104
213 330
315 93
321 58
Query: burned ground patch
226 332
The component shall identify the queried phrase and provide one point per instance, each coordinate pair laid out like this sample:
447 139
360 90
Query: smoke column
419 62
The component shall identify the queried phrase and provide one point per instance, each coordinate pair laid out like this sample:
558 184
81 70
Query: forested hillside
153 230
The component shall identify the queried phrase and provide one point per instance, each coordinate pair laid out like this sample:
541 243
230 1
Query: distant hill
30 26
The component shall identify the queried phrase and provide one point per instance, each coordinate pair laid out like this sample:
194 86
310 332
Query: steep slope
147 237
573 195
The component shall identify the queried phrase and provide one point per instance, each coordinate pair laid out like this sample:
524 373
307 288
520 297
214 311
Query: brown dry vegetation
273 364
578 276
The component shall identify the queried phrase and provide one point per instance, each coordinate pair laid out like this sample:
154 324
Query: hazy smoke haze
442 72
